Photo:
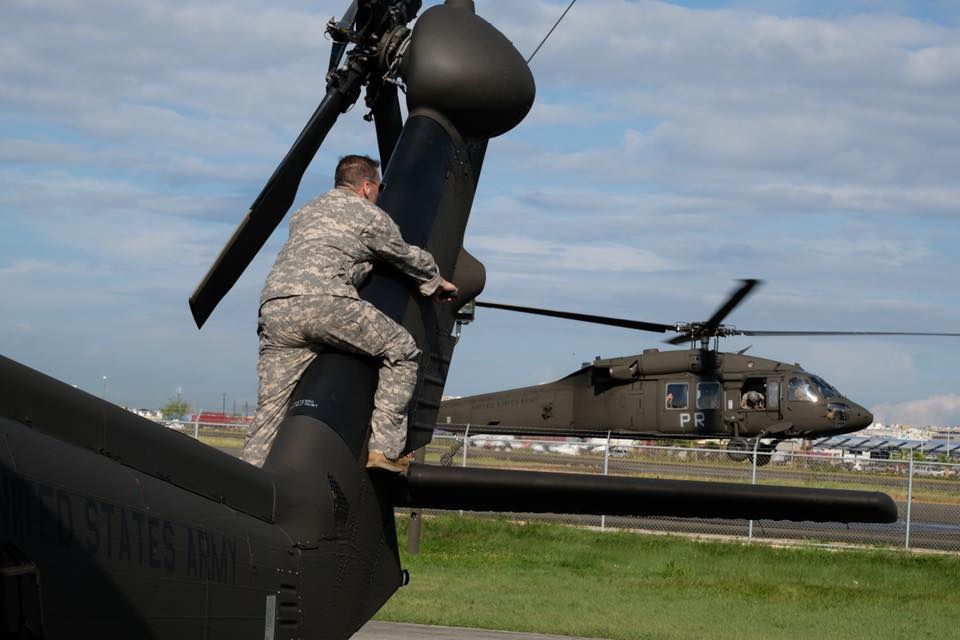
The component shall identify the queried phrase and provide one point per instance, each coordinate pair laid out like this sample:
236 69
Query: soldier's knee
403 348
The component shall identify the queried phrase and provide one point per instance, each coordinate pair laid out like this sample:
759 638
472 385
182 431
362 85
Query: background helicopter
114 526
696 394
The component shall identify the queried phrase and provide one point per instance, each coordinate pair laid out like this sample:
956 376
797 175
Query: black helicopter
699 393
114 526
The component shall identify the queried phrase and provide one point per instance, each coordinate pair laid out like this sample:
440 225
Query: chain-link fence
222 435
927 493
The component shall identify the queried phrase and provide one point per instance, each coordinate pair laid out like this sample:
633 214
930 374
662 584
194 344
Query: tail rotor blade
336 55
339 32
365 24
388 121
269 208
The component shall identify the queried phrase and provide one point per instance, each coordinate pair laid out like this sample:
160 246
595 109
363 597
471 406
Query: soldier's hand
446 291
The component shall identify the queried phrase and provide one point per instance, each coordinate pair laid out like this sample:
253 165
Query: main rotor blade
388 121
736 298
268 209
583 317
738 332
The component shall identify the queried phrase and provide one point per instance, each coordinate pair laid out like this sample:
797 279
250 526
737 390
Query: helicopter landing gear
741 450
764 453
738 449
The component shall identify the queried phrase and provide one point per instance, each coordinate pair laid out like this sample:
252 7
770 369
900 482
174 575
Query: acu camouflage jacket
333 243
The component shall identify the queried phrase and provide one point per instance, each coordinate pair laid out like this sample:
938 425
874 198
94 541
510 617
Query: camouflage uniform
310 300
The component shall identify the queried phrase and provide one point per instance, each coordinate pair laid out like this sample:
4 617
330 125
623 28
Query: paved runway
375 630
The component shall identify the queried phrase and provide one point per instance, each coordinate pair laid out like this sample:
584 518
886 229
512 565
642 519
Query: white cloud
942 410
548 113
832 109
20 267
19 151
539 255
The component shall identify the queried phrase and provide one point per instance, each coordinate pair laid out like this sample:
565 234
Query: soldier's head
360 175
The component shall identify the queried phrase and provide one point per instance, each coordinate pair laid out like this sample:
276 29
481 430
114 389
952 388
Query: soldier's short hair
353 170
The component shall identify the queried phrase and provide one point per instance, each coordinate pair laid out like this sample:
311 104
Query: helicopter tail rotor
368 27
385 112
270 207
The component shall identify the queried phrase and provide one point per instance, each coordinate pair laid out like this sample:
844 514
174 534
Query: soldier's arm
382 237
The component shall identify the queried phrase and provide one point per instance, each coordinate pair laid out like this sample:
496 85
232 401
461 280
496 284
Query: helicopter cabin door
690 407
757 403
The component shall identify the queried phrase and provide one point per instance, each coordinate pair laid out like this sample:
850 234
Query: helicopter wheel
765 453
738 449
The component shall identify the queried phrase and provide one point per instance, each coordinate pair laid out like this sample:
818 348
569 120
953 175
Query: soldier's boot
380 461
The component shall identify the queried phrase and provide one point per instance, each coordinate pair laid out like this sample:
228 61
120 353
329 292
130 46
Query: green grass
223 441
563 580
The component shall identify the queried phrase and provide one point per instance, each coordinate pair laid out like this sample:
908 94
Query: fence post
463 459
753 480
413 529
606 466
906 539
196 425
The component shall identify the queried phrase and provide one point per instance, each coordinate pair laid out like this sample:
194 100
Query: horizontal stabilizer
472 489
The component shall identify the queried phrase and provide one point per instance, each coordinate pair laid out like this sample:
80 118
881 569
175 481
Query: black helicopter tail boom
436 487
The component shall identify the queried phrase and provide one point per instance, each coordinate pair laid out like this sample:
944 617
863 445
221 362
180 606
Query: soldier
310 299
752 399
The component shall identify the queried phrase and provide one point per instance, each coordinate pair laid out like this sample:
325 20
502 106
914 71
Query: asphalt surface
375 630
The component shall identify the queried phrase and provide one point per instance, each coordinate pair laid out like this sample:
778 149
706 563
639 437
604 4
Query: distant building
149 414
210 417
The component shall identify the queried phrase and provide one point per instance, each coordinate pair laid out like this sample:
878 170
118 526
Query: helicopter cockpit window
677 396
800 390
708 395
824 387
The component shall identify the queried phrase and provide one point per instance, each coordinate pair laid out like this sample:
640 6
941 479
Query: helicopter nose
848 417
860 418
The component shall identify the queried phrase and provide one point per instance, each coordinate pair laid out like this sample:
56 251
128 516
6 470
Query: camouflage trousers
291 332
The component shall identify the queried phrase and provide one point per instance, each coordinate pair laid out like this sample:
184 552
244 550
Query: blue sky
673 148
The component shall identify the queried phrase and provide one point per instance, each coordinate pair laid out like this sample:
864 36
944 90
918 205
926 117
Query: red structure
210 417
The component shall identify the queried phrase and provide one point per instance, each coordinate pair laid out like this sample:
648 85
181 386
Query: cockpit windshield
799 389
825 388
